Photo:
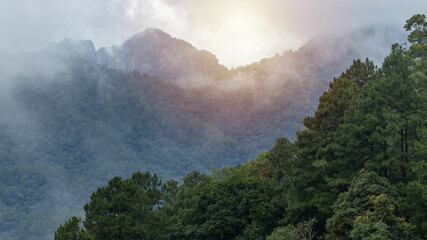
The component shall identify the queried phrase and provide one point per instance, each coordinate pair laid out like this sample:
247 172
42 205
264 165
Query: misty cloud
75 124
276 26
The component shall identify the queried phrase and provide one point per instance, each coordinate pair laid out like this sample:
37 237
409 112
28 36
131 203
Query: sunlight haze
238 32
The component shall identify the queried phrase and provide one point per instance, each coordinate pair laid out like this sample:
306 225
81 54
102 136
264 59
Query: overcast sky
238 32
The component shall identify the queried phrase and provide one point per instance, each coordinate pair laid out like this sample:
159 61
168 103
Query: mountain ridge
146 51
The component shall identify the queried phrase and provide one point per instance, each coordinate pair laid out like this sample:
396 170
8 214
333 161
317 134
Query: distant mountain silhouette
152 51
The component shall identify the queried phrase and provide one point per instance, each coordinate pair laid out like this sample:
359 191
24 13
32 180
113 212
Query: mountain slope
69 123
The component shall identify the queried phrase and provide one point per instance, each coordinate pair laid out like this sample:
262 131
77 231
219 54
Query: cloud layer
237 31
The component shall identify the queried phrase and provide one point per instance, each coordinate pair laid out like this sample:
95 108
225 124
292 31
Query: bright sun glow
245 32
238 32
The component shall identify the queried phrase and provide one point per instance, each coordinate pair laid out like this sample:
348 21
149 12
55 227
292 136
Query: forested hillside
357 170
70 123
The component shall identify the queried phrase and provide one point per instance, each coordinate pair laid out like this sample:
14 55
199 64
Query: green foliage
356 202
21 190
186 220
281 156
371 231
380 222
418 37
385 125
414 198
284 233
413 201
381 123
127 209
303 231
72 230
232 206
315 177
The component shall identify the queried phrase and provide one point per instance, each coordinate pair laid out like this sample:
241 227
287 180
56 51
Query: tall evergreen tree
310 172
413 202
127 209
379 129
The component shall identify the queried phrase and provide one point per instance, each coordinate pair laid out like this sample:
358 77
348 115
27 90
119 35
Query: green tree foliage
385 124
303 231
370 200
380 222
312 172
413 204
281 156
371 231
381 123
186 220
414 194
284 233
233 205
236 208
418 37
72 230
127 209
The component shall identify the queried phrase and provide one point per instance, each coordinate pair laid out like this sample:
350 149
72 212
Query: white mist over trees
74 117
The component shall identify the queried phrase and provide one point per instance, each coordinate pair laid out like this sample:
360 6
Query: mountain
152 51
73 116
83 49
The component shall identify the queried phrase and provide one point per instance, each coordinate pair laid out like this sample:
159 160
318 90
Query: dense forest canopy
357 170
